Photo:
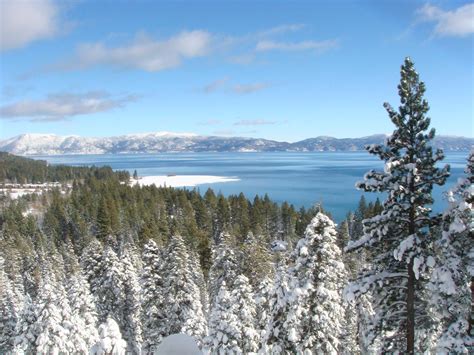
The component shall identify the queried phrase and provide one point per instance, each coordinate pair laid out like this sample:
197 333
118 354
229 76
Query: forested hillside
19 170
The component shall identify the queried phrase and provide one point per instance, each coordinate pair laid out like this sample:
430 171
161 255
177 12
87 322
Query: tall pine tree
399 237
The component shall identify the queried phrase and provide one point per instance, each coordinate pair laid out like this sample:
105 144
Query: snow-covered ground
178 344
15 191
181 180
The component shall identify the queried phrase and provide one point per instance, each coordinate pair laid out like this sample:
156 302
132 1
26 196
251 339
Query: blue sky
284 70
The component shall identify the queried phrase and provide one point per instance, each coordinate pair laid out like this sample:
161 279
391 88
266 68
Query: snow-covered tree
115 286
110 340
83 324
315 321
152 297
224 266
224 336
399 237
25 332
53 318
243 306
181 296
262 304
350 331
452 275
91 263
276 337
256 260
8 313
107 286
131 307
198 277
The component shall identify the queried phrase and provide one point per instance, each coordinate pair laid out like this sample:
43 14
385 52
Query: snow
279 245
405 245
111 341
181 180
159 134
178 344
14 191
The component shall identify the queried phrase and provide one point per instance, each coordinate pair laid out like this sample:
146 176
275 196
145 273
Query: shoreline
181 180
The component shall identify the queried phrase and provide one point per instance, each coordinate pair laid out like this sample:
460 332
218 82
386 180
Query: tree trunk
410 324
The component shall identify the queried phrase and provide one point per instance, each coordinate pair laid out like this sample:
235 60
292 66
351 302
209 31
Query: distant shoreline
181 180
153 143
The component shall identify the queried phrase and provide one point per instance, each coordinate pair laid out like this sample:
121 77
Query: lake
302 179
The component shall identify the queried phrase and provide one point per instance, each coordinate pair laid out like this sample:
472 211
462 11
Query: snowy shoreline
181 180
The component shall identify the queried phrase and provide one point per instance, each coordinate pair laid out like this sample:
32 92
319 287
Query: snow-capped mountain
161 142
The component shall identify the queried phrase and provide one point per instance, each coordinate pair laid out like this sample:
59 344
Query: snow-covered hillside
161 142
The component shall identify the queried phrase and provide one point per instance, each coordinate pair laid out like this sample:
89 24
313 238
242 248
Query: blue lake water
302 179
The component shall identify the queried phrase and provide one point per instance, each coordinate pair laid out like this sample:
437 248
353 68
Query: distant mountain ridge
165 142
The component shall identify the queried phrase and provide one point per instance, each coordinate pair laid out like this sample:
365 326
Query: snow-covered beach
181 180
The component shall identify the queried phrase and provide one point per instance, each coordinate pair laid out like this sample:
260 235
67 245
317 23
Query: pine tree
8 314
91 263
224 266
454 269
181 296
107 287
25 332
318 276
398 237
343 235
131 308
152 298
224 336
198 277
242 299
256 260
222 217
52 314
276 338
110 340
262 304
83 334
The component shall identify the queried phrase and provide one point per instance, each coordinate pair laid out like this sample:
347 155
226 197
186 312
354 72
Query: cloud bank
143 52
215 85
319 46
455 23
23 22
61 106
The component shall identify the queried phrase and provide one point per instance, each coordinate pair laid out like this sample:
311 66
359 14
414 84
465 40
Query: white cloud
226 86
215 85
319 46
242 59
22 22
281 29
254 123
458 22
144 52
57 107
249 88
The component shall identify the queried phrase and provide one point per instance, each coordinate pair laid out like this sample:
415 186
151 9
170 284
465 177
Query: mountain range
164 142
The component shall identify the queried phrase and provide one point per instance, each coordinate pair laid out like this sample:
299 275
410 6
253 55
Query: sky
283 70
